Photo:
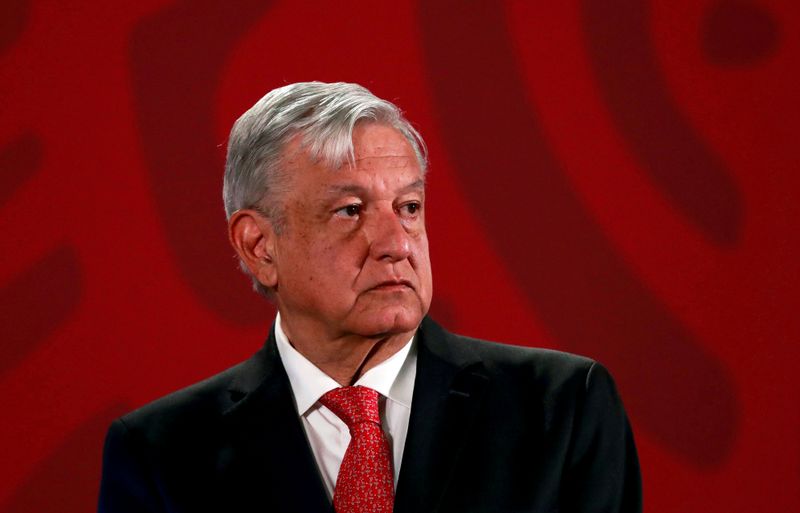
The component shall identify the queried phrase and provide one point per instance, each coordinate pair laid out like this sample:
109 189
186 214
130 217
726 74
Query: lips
396 284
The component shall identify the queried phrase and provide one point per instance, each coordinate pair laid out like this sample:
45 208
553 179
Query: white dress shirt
328 436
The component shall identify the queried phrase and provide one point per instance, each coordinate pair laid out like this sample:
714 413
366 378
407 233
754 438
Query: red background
614 178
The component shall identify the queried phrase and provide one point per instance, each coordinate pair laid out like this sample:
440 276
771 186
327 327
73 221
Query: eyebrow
416 185
358 190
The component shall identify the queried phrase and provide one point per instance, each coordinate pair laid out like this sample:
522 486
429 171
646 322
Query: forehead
382 156
372 141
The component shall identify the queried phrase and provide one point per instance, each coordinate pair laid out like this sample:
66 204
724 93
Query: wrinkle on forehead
296 155
351 188
384 161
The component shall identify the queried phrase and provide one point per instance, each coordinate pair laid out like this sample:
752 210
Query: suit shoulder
507 356
199 402
546 370
552 377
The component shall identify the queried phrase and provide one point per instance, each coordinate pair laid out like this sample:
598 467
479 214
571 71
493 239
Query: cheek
422 258
421 246
337 263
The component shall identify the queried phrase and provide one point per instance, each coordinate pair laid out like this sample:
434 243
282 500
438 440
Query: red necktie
365 483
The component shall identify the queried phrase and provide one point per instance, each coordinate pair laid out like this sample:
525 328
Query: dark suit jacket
493 428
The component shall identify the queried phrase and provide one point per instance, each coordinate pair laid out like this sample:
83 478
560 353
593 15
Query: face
353 257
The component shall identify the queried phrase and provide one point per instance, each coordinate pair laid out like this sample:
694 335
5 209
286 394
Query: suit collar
263 369
392 378
449 389
267 463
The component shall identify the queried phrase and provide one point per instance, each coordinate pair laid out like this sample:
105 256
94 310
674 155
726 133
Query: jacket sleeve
126 485
603 468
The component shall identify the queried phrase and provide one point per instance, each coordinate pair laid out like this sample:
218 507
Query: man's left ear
252 235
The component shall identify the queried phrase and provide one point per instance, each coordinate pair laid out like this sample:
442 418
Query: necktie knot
353 405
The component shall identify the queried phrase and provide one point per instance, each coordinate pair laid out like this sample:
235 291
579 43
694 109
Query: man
358 401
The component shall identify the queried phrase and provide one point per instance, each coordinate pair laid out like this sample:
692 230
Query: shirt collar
393 378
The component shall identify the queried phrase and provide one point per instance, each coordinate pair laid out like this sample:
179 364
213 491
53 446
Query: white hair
323 116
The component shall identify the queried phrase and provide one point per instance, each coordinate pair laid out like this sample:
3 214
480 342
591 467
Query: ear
253 237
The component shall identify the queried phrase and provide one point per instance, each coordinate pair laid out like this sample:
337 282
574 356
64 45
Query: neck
344 358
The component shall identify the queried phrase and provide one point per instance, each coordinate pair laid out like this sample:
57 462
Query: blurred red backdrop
613 178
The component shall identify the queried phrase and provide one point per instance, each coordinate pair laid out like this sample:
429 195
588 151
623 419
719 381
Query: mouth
393 285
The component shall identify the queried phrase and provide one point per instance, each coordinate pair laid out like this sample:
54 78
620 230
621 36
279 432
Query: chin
390 321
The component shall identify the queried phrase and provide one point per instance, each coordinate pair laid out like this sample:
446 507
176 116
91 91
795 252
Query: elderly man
358 402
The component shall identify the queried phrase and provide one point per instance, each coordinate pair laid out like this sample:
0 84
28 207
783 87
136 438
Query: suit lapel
448 390
267 463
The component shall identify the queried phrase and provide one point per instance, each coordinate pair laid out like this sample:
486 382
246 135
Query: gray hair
323 115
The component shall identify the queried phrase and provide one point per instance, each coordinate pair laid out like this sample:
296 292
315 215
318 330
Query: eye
349 211
411 209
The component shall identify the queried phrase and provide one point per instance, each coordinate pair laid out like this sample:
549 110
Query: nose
389 239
